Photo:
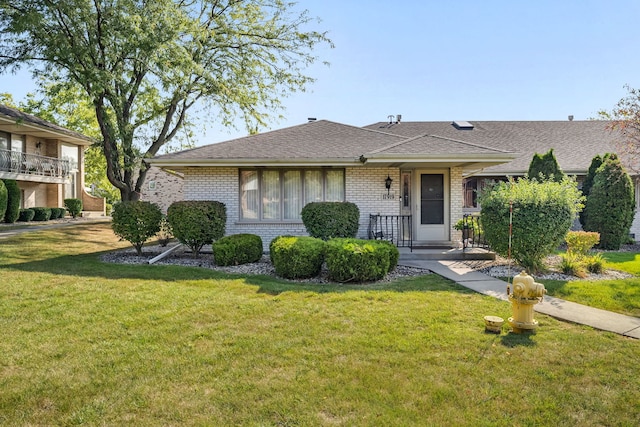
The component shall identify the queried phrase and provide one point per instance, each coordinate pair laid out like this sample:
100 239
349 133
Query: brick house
266 179
46 160
433 170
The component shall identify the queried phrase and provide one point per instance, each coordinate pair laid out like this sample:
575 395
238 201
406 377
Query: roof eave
31 127
244 162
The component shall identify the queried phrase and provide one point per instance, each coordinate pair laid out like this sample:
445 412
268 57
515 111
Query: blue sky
458 60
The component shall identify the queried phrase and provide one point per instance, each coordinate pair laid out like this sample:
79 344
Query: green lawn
89 343
621 296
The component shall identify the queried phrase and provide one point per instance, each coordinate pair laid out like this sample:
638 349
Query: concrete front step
445 254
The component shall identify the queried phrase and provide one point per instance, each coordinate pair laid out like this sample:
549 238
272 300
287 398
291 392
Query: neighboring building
46 160
162 187
435 170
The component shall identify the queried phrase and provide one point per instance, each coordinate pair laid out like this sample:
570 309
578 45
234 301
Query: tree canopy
625 119
145 65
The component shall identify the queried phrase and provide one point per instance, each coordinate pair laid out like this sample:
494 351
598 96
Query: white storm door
432 206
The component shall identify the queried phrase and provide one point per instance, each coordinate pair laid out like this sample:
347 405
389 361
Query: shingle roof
323 142
27 119
574 143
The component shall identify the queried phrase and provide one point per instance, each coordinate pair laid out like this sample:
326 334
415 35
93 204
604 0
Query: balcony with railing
21 164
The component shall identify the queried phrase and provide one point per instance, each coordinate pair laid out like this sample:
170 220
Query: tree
625 119
610 206
542 214
145 65
545 167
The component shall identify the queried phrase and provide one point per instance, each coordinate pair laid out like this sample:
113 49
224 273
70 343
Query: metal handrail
472 233
393 228
33 164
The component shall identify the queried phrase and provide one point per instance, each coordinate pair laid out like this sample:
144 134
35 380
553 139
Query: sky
445 60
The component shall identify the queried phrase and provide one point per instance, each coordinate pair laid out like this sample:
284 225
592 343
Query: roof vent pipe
398 118
311 119
571 118
390 117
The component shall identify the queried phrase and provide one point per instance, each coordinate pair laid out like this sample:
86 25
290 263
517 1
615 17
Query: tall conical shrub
544 167
13 201
610 206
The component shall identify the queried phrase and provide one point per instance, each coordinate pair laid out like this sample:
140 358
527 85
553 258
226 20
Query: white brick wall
364 187
456 202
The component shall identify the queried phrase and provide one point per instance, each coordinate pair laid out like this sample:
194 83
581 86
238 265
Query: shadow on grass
89 265
511 339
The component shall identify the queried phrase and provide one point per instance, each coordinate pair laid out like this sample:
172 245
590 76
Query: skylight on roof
462 125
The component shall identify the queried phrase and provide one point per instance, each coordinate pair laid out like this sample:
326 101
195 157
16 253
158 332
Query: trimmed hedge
326 220
74 206
58 213
196 223
41 214
297 257
26 215
237 249
136 222
356 260
13 201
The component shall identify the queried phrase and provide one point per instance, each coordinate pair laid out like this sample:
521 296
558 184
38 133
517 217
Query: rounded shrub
543 212
196 223
13 201
237 249
392 252
356 260
57 213
74 206
4 199
26 215
610 206
41 214
297 257
136 222
326 220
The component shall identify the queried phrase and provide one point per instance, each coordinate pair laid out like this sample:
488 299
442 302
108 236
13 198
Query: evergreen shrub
196 223
356 260
74 206
136 222
237 249
41 214
325 220
13 201
26 215
542 215
297 257
610 206
545 167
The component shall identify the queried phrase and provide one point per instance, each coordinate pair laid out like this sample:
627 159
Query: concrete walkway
9 230
460 273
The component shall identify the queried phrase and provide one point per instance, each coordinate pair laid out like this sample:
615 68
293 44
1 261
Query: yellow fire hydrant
526 293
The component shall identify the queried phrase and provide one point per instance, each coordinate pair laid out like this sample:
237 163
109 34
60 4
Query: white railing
33 164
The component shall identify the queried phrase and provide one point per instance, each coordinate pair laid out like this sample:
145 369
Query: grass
89 343
620 295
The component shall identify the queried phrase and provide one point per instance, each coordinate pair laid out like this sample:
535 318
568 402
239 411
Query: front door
432 210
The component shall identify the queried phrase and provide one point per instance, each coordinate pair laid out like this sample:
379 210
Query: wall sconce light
387 183
38 144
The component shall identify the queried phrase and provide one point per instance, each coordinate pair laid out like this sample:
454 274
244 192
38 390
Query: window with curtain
280 194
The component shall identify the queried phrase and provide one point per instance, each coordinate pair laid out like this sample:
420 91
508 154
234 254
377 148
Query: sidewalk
8 230
460 273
